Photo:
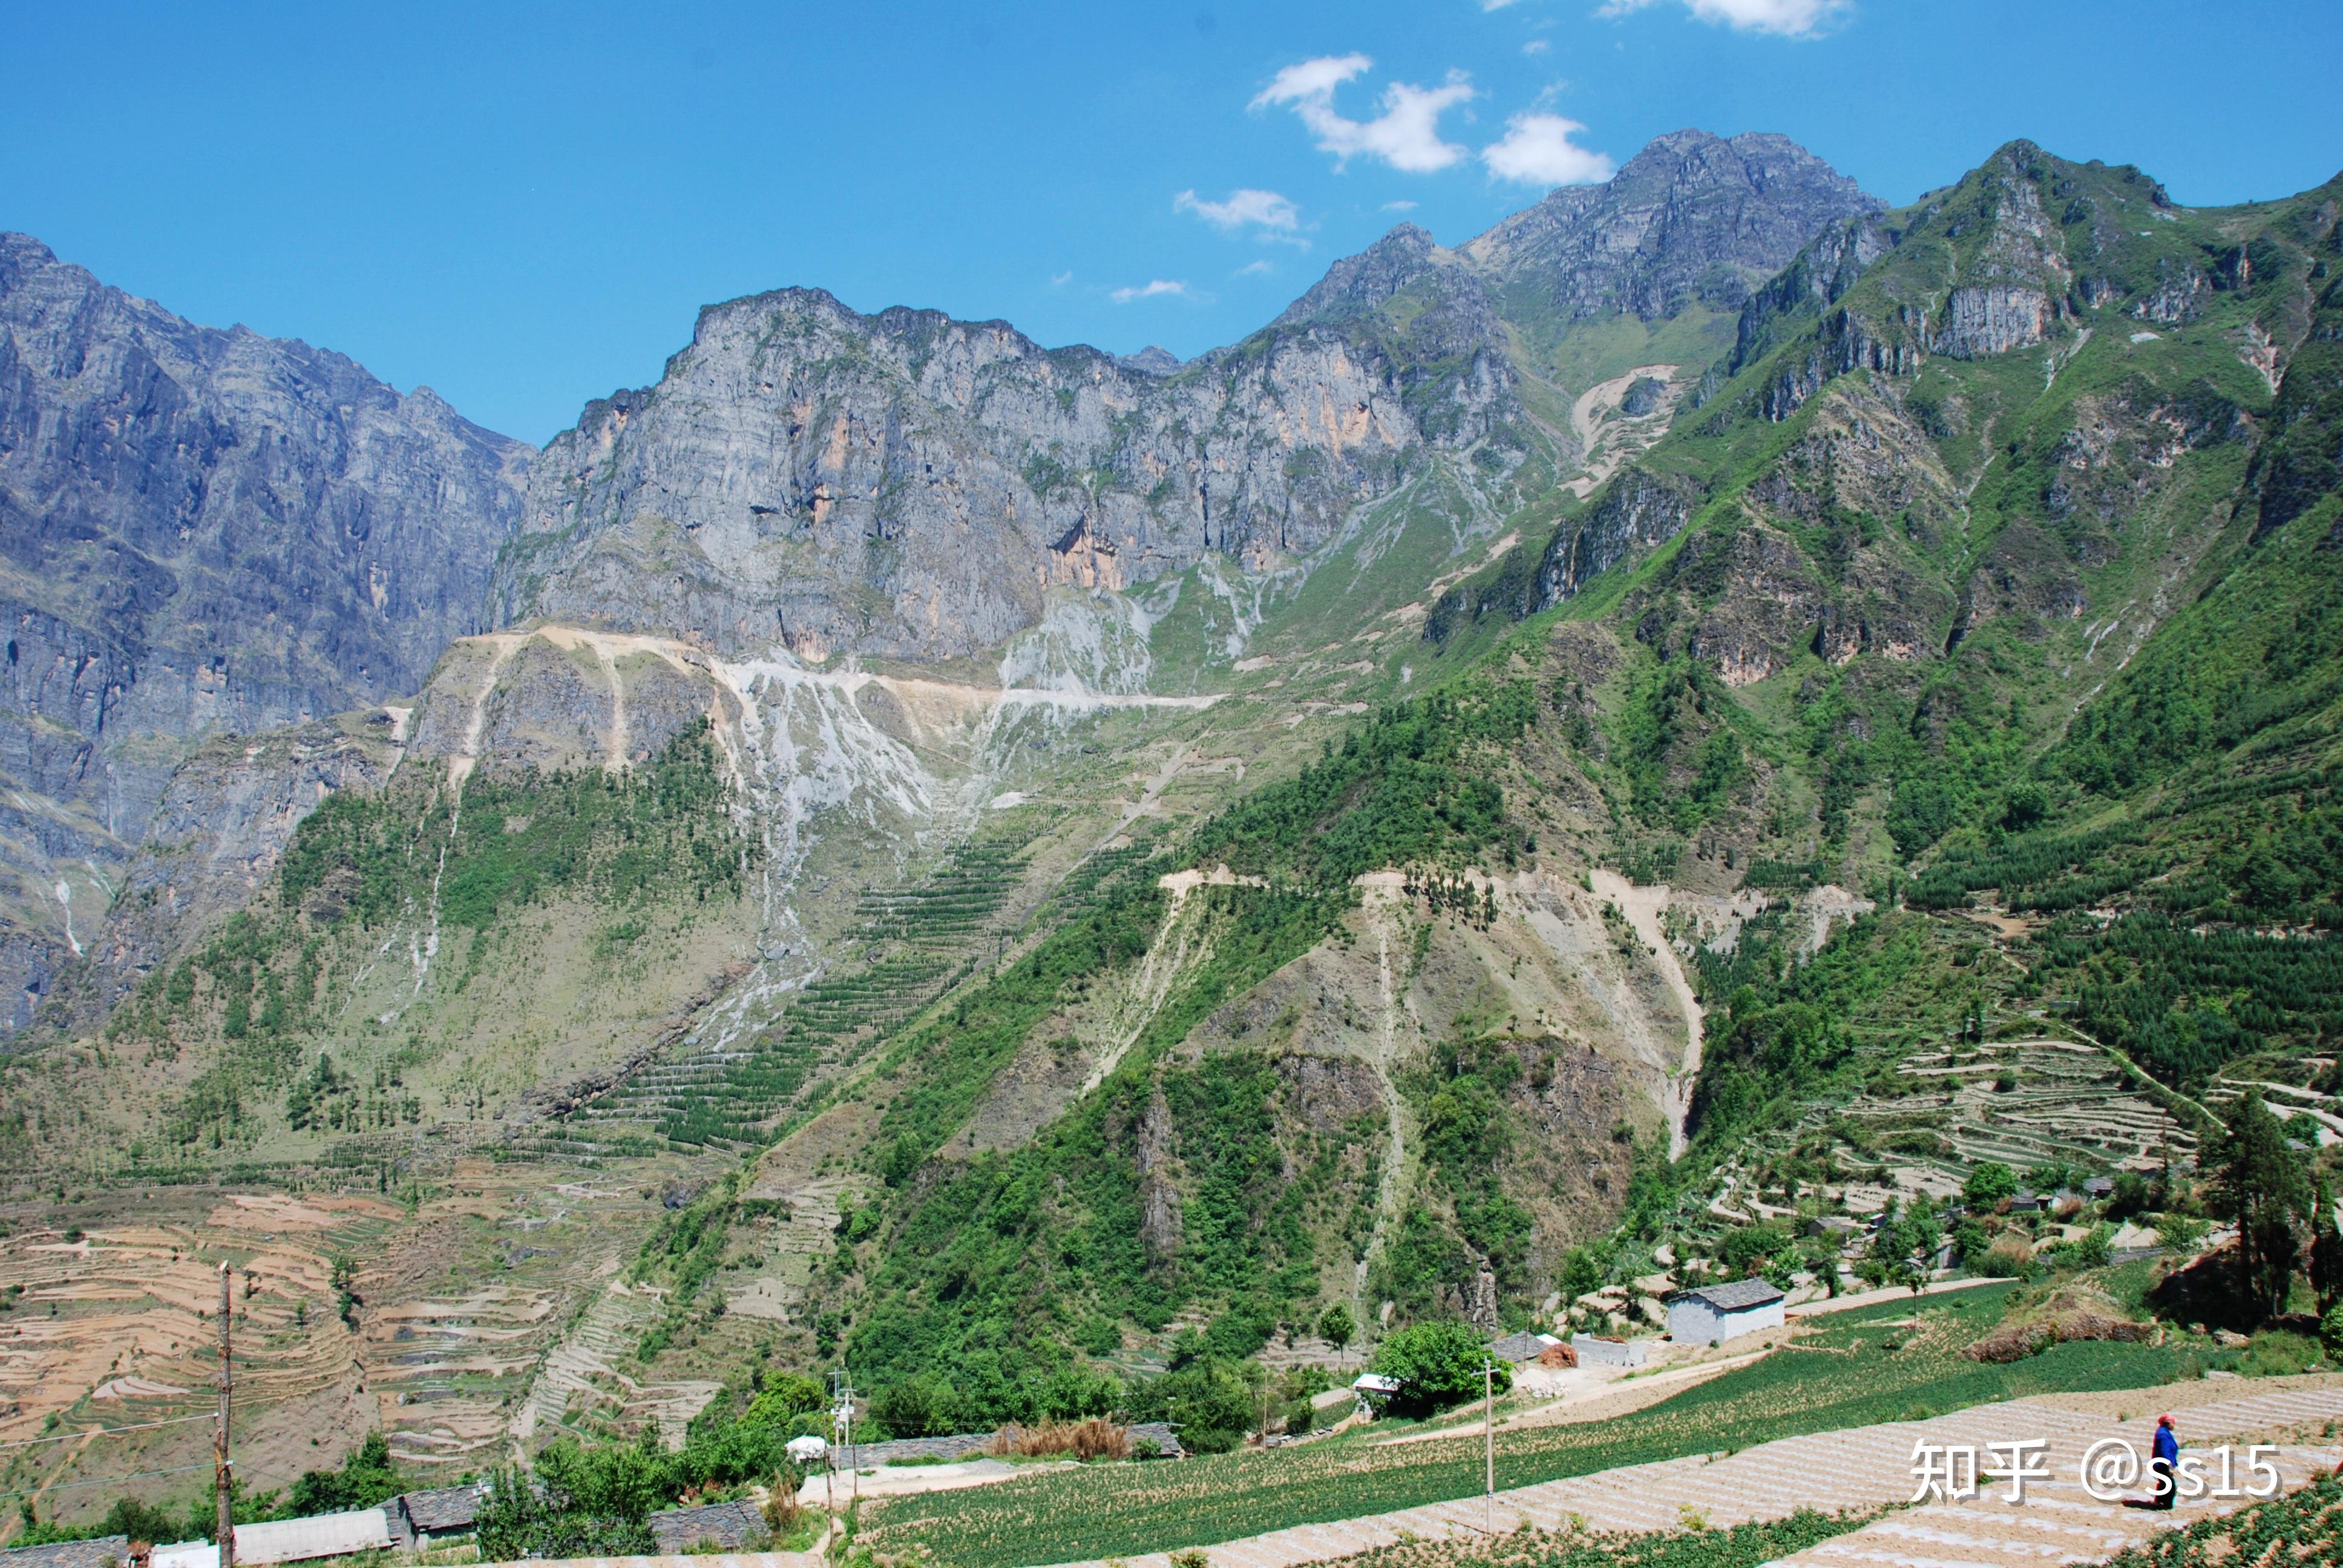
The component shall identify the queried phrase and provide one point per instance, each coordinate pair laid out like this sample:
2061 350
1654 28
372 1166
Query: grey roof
728 1525
1518 1348
439 1511
68 1554
1737 1296
1166 1441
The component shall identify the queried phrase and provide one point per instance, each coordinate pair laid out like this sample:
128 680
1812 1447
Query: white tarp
185 1554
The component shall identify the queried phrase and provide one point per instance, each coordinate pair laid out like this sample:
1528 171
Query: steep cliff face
910 486
200 531
1638 510
907 485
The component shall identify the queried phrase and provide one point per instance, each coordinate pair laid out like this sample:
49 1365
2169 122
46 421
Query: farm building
1521 1347
287 1540
716 1526
69 1554
420 1518
1712 1314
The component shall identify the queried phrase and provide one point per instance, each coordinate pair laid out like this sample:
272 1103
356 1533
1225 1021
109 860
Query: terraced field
449 1322
2024 1102
726 1088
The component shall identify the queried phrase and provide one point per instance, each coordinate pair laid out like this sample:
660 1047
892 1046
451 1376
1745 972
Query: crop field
1741 1547
2305 1528
1861 1369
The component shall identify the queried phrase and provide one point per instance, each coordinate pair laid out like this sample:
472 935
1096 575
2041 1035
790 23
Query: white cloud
1266 208
1406 134
1149 291
1060 280
1255 269
1399 207
1537 150
1536 46
1789 19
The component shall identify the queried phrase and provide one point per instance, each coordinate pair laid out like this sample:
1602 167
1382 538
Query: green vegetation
662 835
2259 1186
1436 1365
1402 790
1461 1212
2303 1527
1854 1378
1696 1545
366 1480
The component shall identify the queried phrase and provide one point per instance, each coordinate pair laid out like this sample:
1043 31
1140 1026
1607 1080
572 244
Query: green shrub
1436 1365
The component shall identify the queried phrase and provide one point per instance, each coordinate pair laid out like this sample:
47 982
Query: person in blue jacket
2166 1488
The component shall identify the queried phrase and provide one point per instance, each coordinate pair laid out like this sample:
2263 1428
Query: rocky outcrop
1640 510
1692 218
1405 259
911 485
1817 278
1761 598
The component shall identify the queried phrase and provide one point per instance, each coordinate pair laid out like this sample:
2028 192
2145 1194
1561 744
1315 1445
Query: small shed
1712 1314
69 1554
1160 1433
185 1554
724 1527
1371 1387
1595 1351
2100 1187
2025 1201
1519 1348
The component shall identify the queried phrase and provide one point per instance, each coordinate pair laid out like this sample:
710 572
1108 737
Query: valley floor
1855 1471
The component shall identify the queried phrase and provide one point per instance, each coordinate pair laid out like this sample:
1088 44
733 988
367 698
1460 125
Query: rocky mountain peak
1694 216
1364 281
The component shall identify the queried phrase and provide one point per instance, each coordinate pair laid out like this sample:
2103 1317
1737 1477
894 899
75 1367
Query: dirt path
1859 1468
1642 906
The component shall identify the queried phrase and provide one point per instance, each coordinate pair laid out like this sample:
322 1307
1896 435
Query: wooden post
220 1472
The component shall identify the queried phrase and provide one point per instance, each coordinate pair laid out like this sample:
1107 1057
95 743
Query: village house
1712 1314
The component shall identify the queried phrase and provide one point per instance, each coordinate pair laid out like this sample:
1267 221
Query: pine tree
2326 1249
2259 1185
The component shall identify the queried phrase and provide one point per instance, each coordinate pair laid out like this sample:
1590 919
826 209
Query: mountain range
1004 865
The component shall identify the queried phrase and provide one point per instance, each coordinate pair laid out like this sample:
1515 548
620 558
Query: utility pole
842 1417
1489 1441
221 1478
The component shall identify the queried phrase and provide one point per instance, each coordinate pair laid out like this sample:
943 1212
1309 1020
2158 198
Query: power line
102 1431
107 1479
142 1425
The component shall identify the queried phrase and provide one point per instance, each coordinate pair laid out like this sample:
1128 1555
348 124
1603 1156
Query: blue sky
523 206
